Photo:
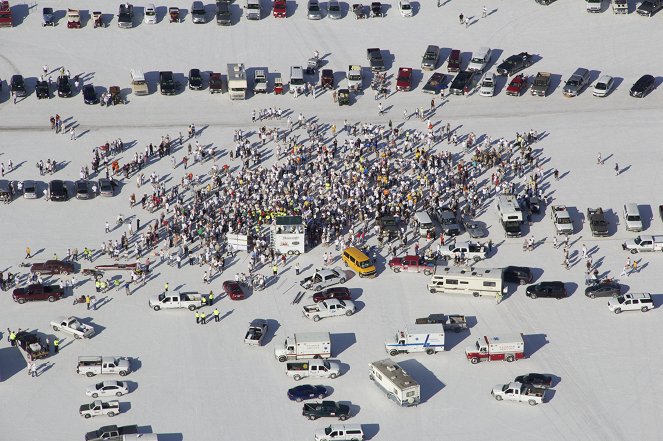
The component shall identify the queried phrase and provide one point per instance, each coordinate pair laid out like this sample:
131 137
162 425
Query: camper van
511 216
478 282
395 382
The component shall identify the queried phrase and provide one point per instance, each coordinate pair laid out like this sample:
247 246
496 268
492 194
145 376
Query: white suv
487 85
631 302
150 14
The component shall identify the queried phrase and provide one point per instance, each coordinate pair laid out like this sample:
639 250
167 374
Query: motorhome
475 281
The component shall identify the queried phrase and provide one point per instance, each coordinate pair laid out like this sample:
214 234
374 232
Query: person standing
88 299
56 346
297 268
210 298
127 289
616 169
33 369
165 287
484 12
217 317
107 227
275 270
28 253
202 318
197 317
461 18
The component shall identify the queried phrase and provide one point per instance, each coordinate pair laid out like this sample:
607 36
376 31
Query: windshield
334 7
477 60
314 8
564 220
620 300
328 430
600 86
326 364
429 56
365 264
637 240
150 13
405 6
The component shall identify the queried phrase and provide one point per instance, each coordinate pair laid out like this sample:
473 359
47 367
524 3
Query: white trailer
288 235
395 382
304 345
427 338
478 282
237 83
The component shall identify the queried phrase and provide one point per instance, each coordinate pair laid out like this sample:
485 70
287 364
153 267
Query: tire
90 374
282 358
393 353
298 399
317 356
124 373
55 328
431 290
192 307
476 258
311 417
77 337
498 397
427 273
64 272
457 330
316 318
522 282
95 395
349 313
318 288
332 376
111 414
618 311
297 377
634 251
397 269
476 294
343 417
118 394
644 309
341 280
87 415
21 301
533 296
532 403
157 307
430 351
447 258
474 360
592 296
51 299
510 358
321 397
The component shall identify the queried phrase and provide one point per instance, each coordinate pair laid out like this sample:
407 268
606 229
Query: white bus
475 281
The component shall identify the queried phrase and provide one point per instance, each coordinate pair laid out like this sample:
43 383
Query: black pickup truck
374 56
514 64
313 411
597 222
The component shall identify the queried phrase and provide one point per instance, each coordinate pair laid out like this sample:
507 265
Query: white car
603 86
107 389
150 14
631 302
405 7
487 84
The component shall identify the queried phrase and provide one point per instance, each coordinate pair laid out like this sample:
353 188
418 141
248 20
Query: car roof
604 79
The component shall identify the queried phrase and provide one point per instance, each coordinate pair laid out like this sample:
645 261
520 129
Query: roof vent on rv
391 368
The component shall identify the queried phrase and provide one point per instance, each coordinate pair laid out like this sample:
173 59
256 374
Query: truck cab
479 60
252 10
260 81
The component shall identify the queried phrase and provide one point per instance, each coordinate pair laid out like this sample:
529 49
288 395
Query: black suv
89 94
167 83
517 274
464 82
18 85
57 190
547 289
223 14
64 88
42 90
195 79
643 86
389 226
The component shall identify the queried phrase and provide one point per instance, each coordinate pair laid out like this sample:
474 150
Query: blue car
307 392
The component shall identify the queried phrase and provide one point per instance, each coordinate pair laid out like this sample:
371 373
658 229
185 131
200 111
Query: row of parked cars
57 190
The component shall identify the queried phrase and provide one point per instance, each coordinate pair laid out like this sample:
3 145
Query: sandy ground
202 383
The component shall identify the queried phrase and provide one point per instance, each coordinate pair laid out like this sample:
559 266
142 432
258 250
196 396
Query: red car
233 290
517 85
336 292
280 9
52 267
404 79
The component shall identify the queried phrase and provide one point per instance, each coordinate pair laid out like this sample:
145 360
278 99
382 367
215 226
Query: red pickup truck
280 9
412 264
404 79
5 15
38 292
52 267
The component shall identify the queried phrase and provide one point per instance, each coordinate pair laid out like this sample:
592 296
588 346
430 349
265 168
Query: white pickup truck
189 300
561 218
466 250
95 365
519 392
643 243
312 368
329 308
72 326
98 407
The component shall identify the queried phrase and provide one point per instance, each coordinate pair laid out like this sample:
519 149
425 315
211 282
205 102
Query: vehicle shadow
534 342
494 58
342 341
571 288
125 407
354 408
370 430
555 82
452 339
136 364
273 325
12 362
162 12
171 437
132 386
646 215
59 15
19 14
500 84
430 384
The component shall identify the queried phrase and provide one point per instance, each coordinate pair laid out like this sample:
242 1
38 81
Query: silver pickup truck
189 300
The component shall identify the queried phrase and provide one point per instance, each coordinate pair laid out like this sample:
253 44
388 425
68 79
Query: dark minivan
167 83
517 274
547 289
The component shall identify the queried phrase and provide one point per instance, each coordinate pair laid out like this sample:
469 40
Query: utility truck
237 83
329 308
96 365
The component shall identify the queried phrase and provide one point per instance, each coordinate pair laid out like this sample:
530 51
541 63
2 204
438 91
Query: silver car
29 189
106 187
576 83
603 86
107 389
487 85
334 9
314 10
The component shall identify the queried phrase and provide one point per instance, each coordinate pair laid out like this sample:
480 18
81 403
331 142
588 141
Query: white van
297 79
150 14
138 83
632 219
424 223
475 281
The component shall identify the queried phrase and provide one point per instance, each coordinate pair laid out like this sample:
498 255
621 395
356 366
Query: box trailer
237 83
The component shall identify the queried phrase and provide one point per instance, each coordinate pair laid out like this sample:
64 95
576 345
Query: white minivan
150 14
632 219
424 223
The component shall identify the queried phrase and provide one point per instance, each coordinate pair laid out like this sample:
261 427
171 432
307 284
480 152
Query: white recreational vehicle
395 382
475 281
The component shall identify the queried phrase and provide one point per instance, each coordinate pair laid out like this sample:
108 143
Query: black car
17 85
517 274
547 289
89 95
57 190
307 392
643 86
603 289
649 7
536 380
42 90
64 88
167 83
195 79
514 64
223 14
463 82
